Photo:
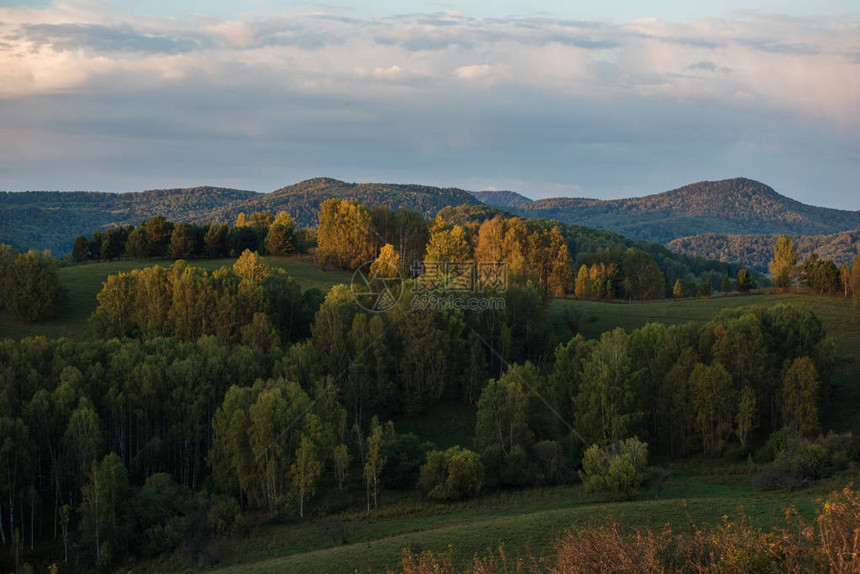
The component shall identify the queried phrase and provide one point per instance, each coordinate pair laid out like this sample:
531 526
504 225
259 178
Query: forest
210 402
755 251
730 206
481 232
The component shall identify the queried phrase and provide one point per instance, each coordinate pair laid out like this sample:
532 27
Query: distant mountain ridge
755 251
501 199
735 206
730 206
302 200
52 219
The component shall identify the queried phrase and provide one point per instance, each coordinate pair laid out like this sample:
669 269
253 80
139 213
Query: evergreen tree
182 241
80 248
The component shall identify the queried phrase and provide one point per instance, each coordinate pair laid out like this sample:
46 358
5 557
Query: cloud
443 97
473 72
98 38
707 67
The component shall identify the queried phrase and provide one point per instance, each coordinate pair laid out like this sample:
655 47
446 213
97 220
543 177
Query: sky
547 98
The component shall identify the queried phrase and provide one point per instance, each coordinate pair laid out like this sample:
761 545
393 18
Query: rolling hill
52 219
731 206
303 199
501 199
755 251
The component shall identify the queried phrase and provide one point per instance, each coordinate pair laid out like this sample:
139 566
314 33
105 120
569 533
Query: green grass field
520 521
83 282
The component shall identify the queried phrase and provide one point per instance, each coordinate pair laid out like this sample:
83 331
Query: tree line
250 302
350 234
821 276
261 232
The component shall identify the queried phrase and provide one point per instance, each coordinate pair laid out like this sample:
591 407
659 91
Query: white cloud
516 89
473 72
804 65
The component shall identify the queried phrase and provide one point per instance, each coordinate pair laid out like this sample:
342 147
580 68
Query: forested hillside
303 200
755 251
733 206
501 199
594 246
52 219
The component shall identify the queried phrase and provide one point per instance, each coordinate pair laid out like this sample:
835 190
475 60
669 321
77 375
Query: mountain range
730 206
52 219
723 209
501 199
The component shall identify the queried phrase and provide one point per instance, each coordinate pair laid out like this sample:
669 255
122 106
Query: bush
618 469
454 474
404 454
550 460
732 546
799 461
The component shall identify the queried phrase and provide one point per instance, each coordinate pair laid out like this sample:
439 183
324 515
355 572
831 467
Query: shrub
550 460
618 469
454 474
799 461
404 454
732 547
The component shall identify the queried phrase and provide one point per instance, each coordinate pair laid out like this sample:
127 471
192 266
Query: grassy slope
518 520
83 282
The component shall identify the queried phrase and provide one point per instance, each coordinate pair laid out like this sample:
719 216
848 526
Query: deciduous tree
783 266
800 388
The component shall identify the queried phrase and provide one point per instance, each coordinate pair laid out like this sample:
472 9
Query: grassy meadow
519 522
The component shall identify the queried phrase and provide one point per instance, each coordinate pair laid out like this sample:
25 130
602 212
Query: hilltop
501 199
730 206
303 199
52 219
755 251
